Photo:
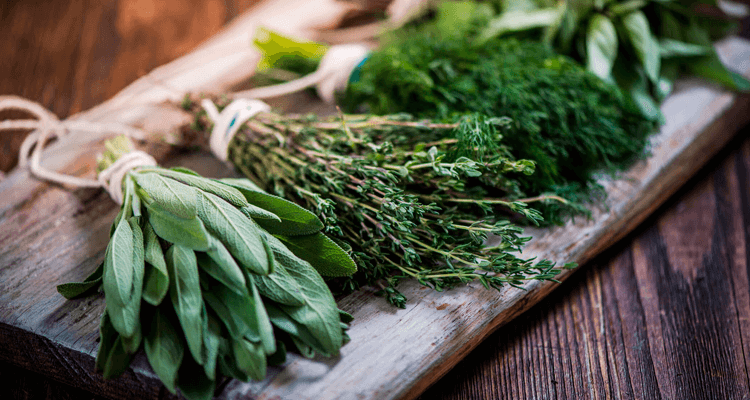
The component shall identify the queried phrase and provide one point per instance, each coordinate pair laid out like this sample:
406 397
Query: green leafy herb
407 198
191 238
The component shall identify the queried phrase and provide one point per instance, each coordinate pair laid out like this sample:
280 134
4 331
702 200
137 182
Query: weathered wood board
50 235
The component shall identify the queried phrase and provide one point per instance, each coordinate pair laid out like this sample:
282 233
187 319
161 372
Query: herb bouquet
211 278
408 198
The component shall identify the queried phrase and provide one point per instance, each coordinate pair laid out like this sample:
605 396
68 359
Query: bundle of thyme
211 278
408 199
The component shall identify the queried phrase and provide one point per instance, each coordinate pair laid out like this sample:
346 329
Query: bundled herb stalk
412 199
211 278
571 123
643 45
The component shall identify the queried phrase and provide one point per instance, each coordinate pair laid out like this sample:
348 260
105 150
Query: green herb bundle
571 123
642 45
211 278
411 198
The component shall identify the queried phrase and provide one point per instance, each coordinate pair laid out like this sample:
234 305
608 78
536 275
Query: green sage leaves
191 271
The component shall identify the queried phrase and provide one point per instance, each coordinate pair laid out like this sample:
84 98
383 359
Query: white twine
332 75
229 121
47 126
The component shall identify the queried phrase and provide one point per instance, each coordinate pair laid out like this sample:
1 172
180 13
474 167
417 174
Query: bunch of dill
571 123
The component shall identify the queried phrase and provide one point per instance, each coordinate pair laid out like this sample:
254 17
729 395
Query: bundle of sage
211 278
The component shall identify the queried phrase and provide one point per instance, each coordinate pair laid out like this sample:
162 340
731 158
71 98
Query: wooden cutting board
50 235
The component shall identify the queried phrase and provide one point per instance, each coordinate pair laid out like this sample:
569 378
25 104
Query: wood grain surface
664 315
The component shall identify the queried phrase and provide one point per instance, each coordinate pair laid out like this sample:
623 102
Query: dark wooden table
664 313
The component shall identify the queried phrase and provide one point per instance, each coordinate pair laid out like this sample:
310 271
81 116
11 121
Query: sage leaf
645 45
322 253
107 337
164 348
265 329
125 317
278 357
226 361
295 220
188 232
319 314
281 319
74 290
228 193
193 382
237 312
185 292
118 360
174 197
280 286
211 340
256 213
118 265
240 235
218 263
250 358
156 277
601 46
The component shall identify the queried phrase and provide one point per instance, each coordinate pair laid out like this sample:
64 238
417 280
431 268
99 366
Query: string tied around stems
229 121
47 126
332 76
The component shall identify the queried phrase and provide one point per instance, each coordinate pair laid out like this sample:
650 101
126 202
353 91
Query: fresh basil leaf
174 197
601 46
711 68
675 48
322 253
188 232
185 292
164 348
250 358
228 193
218 263
156 278
74 290
240 235
295 220
518 21
646 47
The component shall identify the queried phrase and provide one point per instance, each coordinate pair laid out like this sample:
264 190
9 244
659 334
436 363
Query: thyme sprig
409 199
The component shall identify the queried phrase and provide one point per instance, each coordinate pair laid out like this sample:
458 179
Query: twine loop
229 121
47 126
332 75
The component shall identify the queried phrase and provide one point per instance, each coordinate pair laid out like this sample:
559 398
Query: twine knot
47 126
229 121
